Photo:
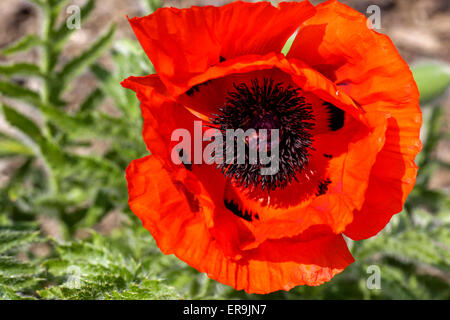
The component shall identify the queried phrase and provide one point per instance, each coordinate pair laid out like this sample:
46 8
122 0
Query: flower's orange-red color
361 165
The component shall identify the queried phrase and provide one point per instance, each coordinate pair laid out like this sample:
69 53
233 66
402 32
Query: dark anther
323 187
222 59
267 105
234 208
329 156
337 116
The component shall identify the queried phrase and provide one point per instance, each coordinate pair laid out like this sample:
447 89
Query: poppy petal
220 79
183 43
349 176
361 63
179 228
162 115
336 209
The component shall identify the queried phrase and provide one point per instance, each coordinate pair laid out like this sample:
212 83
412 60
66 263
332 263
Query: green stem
47 52
47 69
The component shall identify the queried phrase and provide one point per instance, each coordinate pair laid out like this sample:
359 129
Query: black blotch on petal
337 116
234 208
183 158
222 59
197 88
323 187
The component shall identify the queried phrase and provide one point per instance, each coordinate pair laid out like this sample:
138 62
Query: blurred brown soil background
419 28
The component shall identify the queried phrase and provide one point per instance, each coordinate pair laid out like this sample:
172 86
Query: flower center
276 119
264 121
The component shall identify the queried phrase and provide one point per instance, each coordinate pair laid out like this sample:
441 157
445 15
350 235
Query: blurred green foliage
78 189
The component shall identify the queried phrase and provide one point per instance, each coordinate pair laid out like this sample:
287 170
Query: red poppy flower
348 111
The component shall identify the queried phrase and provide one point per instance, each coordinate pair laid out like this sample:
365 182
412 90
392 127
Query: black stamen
267 106
337 117
329 156
222 59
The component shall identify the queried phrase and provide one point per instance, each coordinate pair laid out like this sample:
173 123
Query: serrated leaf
92 270
23 44
110 85
27 69
424 243
10 147
8 293
433 79
17 277
88 57
144 290
78 125
23 123
18 92
49 150
11 268
92 101
11 238
62 34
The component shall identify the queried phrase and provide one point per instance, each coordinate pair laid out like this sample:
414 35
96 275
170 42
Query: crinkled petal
366 66
184 43
166 210
284 215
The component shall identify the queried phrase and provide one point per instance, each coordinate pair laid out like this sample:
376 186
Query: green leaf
8 293
21 122
27 69
62 34
23 44
72 69
110 86
151 5
98 163
146 289
82 125
11 147
54 4
79 125
288 44
433 79
433 119
49 150
11 267
91 270
92 101
11 238
17 278
15 91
